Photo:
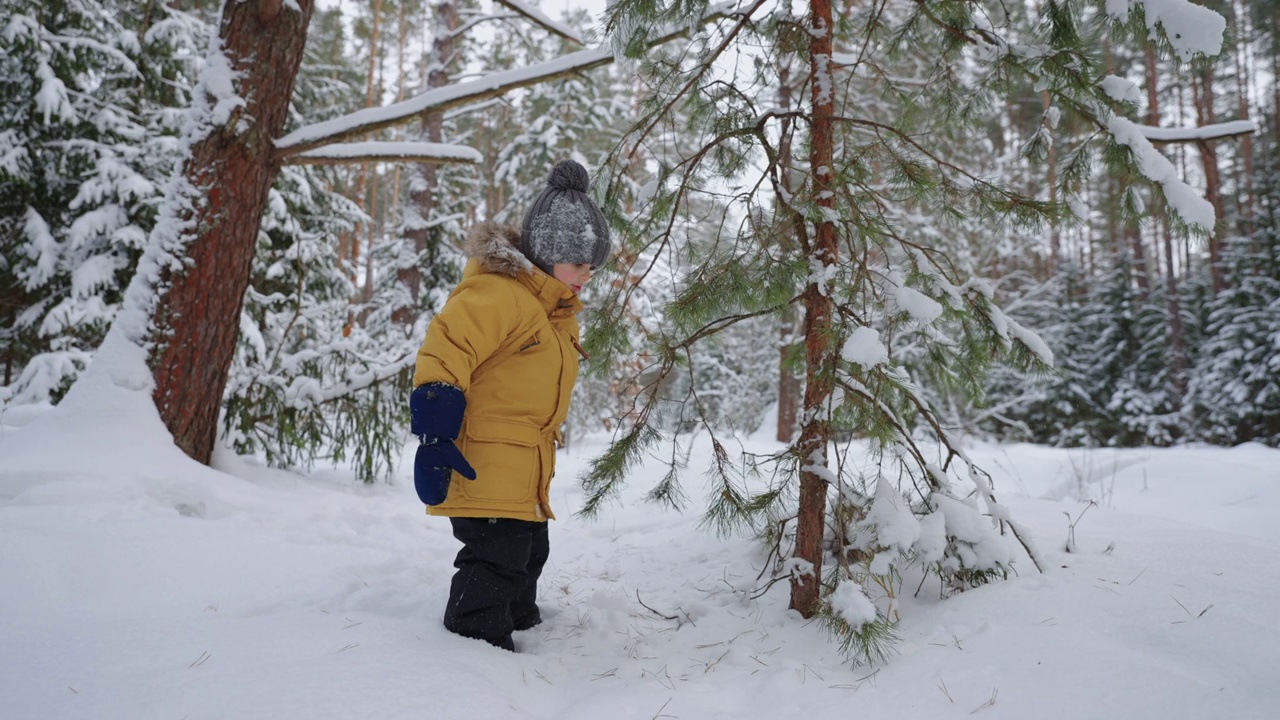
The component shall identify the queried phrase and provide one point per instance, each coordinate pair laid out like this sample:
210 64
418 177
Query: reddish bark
197 321
1212 175
820 351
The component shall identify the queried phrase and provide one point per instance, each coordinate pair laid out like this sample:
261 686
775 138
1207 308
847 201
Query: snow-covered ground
135 584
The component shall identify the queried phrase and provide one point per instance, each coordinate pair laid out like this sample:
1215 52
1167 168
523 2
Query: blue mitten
436 411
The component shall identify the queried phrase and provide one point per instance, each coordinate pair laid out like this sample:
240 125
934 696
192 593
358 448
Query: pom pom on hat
563 225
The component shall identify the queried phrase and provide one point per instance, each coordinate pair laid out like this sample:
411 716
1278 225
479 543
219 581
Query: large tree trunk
820 345
197 320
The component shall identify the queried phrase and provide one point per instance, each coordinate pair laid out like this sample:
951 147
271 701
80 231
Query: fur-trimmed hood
497 247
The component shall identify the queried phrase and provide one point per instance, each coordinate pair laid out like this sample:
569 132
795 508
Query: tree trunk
1240 18
394 210
422 196
10 354
820 345
1275 86
1173 305
197 320
788 382
1178 363
1055 232
1205 115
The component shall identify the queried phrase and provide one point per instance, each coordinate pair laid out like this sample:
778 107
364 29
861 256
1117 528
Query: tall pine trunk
1240 21
788 382
1173 304
368 193
820 345
197 319
1205 115
1055 231
394 210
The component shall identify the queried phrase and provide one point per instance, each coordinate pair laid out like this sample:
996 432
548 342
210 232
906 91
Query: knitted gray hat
563 225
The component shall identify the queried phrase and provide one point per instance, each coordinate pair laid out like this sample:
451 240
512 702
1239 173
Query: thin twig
988 703
664 707
1184 607
655 612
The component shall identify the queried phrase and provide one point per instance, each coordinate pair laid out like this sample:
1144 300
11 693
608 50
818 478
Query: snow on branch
1206 132
1190 28
1182 198
371 119
493 85
374 151
547 23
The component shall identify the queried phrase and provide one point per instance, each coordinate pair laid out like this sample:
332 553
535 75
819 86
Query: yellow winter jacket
508 338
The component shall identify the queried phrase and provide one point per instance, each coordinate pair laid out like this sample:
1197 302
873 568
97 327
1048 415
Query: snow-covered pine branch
372 119
490 86
1216 131
380 151
538 18
1183 199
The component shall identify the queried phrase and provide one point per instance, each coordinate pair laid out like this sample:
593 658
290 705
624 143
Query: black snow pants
495 589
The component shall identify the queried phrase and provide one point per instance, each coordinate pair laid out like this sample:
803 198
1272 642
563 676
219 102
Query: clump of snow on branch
1121 90
850 602
1184 200
890 524
919 306
977 545
865 348
1190 28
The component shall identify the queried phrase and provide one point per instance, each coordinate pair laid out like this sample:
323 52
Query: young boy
491 390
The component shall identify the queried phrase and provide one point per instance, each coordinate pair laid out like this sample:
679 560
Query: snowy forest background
1159 337
941 221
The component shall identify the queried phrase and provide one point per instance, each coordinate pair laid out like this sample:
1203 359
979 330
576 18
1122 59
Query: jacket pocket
505 456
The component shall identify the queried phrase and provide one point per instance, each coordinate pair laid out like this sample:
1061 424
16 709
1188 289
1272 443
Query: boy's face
575 275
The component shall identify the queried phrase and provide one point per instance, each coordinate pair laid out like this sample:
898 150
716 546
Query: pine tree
88 137
1235 388
887 86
